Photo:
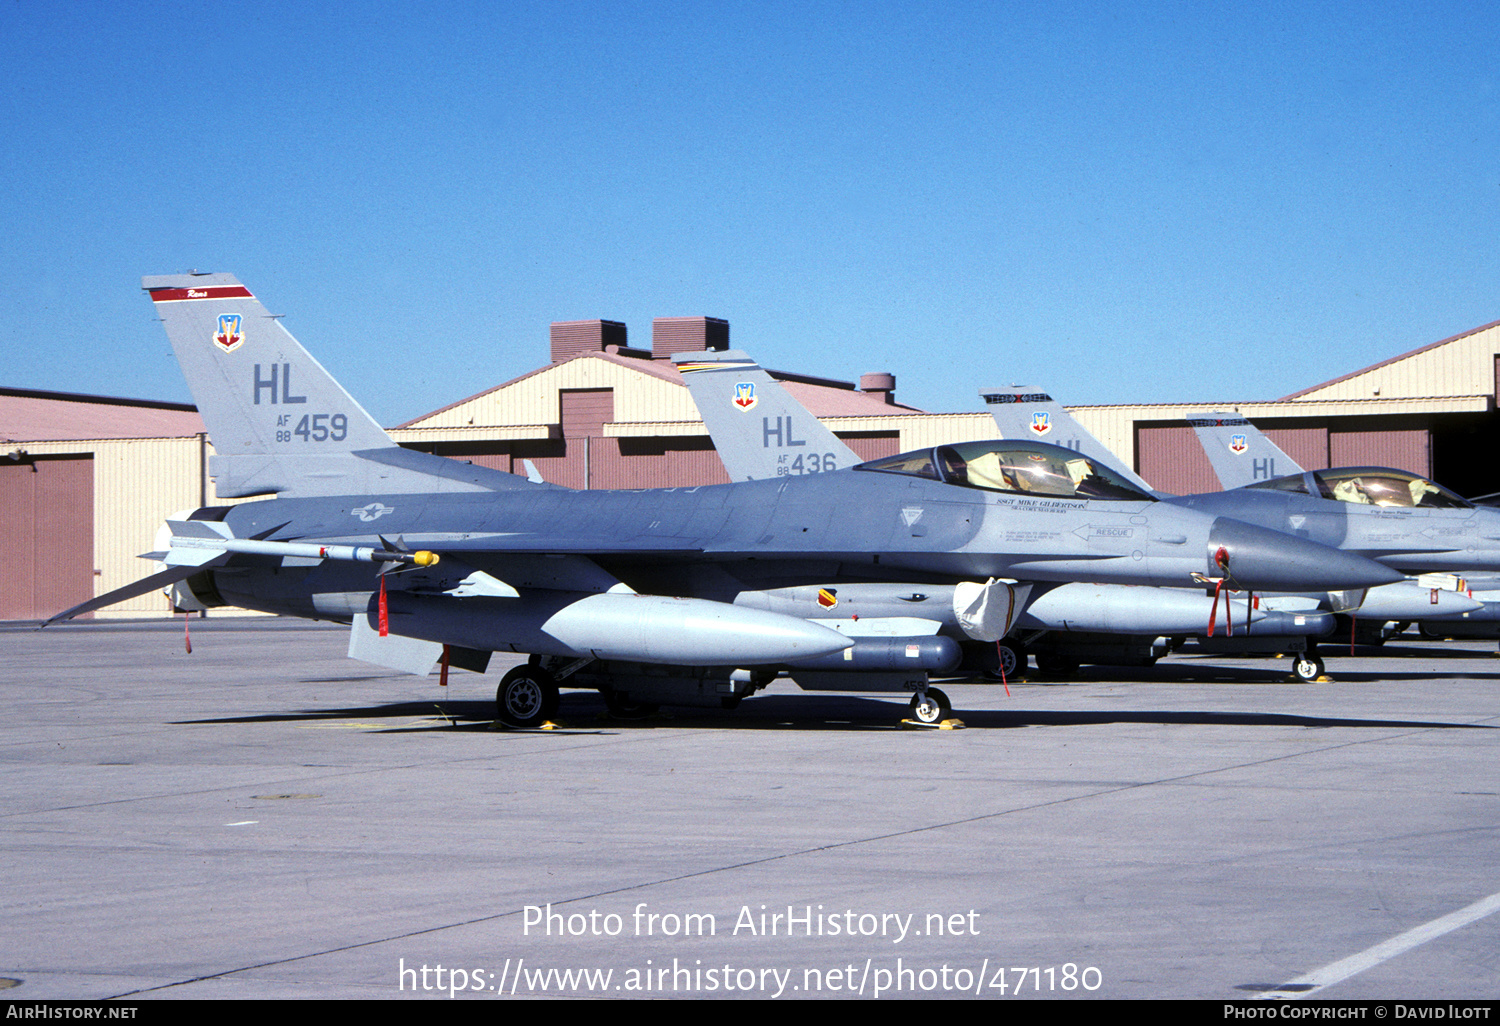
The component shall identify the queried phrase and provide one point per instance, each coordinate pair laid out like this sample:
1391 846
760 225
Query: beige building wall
138 483
640 397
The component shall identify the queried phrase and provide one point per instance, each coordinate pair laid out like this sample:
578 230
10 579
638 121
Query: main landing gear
527 697
930 706
1012 658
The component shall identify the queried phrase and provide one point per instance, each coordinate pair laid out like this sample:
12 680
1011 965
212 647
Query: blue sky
1120 203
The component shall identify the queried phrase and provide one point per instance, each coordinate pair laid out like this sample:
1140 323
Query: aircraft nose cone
1257 559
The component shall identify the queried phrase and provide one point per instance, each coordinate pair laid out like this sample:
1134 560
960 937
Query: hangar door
46 535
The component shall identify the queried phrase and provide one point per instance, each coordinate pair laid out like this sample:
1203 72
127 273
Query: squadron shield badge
1237 444
229 336
744 395
1041 422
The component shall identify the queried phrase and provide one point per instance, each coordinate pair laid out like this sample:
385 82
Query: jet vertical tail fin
280 422
1020 413
759 429
1241 455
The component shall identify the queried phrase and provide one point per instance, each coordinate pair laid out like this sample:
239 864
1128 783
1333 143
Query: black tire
1307 668
1012 655
526 697
933 707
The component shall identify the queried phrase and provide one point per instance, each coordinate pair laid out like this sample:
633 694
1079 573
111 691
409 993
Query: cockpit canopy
1026 468
1369 486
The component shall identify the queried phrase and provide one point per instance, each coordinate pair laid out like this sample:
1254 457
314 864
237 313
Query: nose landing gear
930 706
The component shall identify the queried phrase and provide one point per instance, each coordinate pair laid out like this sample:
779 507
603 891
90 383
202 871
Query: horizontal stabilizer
156 581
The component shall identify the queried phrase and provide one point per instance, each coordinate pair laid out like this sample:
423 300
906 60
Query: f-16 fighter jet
1099 621
1247 462
650 596
1434 530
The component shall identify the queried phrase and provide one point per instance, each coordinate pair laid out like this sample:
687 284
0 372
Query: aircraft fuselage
1409 539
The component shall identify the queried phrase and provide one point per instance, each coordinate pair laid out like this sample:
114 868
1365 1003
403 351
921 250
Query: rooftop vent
881 383
687 335
574 338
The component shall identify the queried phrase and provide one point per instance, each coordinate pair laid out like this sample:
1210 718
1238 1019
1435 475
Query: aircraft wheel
527 697
1012 659
623 708
930 707
1307 668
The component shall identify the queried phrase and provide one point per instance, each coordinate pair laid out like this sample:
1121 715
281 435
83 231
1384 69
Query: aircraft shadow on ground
1189 669
586 713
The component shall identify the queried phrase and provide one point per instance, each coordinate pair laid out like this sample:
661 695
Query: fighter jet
1392 516
1461 601
649 596
1408 600
1095 621
1400 519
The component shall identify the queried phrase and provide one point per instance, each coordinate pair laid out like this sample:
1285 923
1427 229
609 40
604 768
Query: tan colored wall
138 483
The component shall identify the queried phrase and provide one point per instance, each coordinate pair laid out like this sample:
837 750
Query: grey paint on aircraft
1022 412
658 561
759 430
1240 453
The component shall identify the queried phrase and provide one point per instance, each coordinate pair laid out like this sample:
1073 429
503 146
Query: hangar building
604 415
1430 411
85 481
